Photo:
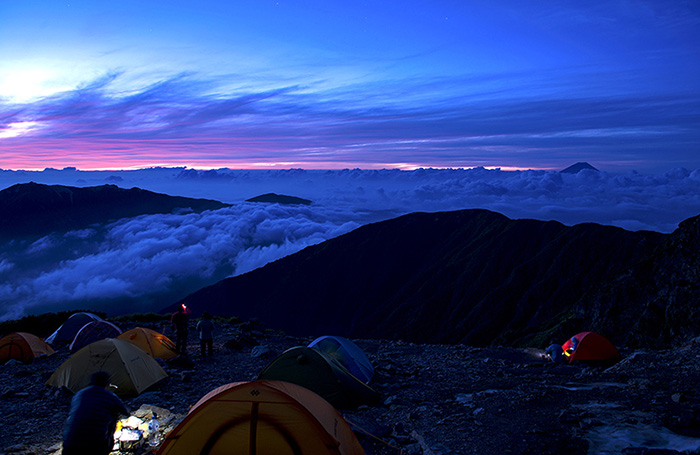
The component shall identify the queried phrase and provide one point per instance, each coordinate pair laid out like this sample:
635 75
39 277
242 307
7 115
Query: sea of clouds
148 262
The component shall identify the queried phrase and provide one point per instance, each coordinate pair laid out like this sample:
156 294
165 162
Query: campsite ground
437 399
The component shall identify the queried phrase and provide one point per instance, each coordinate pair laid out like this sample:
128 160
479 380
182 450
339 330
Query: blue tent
94 331
348 354
70 328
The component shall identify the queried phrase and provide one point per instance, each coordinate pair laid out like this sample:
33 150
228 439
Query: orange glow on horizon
312 165
39 153
122 157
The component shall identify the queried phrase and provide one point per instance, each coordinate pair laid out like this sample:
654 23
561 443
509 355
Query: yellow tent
132 370
156 344
23 347
262 418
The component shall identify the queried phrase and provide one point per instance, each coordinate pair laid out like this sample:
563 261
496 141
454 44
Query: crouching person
554 352
93 416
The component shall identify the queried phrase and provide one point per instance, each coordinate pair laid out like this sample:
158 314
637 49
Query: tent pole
253 429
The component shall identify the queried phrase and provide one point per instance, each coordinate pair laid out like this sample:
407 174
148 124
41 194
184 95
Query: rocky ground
437 399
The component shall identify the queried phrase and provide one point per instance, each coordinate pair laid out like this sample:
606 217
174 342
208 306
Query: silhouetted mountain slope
657 301
469 276
32 209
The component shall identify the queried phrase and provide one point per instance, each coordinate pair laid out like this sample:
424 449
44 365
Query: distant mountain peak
279 199
578 167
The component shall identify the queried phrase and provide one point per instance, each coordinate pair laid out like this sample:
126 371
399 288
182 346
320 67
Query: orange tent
590 347
23 347
262 418
156 344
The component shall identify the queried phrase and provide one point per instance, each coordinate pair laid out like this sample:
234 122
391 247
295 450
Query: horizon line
264 166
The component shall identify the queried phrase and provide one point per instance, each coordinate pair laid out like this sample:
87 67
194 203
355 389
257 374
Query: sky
334 85
370 109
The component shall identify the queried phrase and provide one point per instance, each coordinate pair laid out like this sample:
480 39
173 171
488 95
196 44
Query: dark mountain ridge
274 198
32 210
474 277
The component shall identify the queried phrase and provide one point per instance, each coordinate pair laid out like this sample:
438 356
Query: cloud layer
147 262
153 256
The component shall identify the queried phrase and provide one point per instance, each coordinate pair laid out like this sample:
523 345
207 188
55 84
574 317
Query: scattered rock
389 400
261 351
240 341
187 376
181 362
251 325
464 398
568 417
437 399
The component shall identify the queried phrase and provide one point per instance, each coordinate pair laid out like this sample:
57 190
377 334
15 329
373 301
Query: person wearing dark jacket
93 416
179 322
206 339
554 352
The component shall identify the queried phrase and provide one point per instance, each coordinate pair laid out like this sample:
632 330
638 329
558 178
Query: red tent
590 347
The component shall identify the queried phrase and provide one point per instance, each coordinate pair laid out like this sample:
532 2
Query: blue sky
332 85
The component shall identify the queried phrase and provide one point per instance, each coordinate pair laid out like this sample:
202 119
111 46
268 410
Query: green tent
321 374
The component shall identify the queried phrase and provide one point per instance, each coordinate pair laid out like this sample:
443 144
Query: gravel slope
437 399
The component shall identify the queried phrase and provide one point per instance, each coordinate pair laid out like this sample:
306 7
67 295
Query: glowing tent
23 347
590 347
70 328
262 418
94 331
156 344
347 353
132 370
311 368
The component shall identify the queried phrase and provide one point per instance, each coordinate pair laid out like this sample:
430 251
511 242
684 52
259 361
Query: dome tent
132 370
156 344
94 331
590 347
347 353
66 333
23 346
311 368
264 418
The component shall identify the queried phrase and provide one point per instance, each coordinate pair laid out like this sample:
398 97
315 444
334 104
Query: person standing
93 416
206 338
179 322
